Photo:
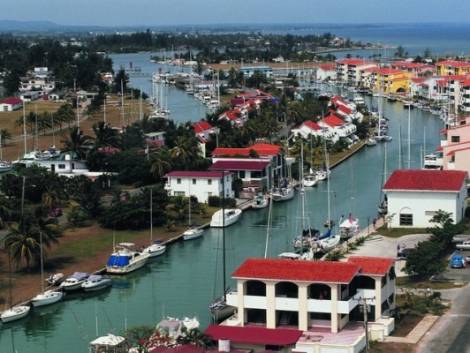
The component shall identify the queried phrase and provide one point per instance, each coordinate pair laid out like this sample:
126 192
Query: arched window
406 217
257 288
287 290
319 291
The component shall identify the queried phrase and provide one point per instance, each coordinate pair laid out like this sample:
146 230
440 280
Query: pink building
456 147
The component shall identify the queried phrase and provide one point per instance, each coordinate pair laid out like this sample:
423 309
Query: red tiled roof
353 61
201 126
302 271
388 71
11 100
426 180
239 165
254 335
196 174
333 120
312 125
372 265
411 65
262 149
344 109
454 63
327 66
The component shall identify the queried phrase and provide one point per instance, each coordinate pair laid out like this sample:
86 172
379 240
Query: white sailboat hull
231 216
15 313
155 250
96 286
284 196
192 233
47 298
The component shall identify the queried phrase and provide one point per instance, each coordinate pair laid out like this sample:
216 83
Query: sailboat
381 135
219 308
382 209
18 311
155 248
45 297
191 232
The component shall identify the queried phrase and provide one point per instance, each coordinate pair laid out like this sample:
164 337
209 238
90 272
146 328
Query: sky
171 12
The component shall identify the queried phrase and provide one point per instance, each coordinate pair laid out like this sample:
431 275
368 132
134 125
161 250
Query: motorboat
464 246
283 194
329 243
46 298
193 233
231 216
55 279
125 259
95 283
290 255
5 166
74 282
310 180
433 160
260 201
408 104
15 313
155 249
322 174
220 310
371 142
349 227
109 344
382 138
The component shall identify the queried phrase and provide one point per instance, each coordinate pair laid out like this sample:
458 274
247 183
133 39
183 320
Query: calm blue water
188 276
183 107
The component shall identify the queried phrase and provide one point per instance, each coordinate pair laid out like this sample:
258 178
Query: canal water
185 280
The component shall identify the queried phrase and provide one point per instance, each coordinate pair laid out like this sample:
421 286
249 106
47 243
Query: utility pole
363 302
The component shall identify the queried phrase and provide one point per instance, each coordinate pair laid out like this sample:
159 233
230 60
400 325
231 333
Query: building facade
415 196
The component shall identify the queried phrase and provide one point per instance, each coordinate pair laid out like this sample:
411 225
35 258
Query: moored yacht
74 282
15 313
193 233
260 201
125 259
283 194
155 249
46 298
95 283
231 216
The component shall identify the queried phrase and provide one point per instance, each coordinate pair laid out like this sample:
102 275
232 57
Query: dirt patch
406 323
391 347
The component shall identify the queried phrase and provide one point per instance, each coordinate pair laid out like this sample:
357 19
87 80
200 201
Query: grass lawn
399 232
408 282
335 158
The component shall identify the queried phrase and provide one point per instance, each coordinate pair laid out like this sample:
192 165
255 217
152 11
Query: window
180 193
455 139
194 181
61 166
178 181
209 181
241 174
406 219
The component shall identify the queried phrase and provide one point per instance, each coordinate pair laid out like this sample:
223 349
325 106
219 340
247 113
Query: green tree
105 135
160 163
424 261
11 82
6 136
78 143
121 77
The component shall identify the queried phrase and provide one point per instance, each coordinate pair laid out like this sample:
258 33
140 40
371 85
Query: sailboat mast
223 235
42 261
140 106
36 145
327 162
122 103
189 204
268 228
24 129
151 215
301 177
409 137
104 109
399 147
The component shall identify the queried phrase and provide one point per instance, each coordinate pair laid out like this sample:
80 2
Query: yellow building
453 67
388 80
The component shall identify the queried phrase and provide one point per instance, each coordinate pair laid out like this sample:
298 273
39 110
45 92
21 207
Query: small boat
289 256
283 194
74 282
322 174
15 313
371 142
193 233
126 260
5 166
310 180
230 217
55 279
155 249
349 227
408 104
109 344
46 298
220 310
329 243
260 201
95 283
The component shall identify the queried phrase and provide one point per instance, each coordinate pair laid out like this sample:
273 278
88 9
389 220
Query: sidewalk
417 333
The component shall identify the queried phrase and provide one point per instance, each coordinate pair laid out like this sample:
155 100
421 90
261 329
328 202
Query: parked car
403 253
464 246
460 238
467 259
457 261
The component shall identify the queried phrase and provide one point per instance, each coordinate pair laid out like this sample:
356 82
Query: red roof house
333 121
426 180
372 265
10 104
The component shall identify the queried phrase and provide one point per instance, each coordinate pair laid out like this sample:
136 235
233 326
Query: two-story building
340 127
200 184
310 128
349 70
452 67
319 298
415 196
326 71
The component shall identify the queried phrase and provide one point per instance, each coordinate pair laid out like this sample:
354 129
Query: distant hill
26 26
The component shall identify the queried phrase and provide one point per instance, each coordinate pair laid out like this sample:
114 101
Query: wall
419 202
201 189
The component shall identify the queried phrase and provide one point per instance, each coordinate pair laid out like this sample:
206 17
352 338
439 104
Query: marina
192 269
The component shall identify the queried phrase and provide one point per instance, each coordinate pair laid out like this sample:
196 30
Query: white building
311 128
316 296
414 196
338 126
10 104
349 70
326 72
200 184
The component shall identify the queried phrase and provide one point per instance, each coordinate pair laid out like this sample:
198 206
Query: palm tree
160 162
105 135
22 245
6 135
185 150
78 143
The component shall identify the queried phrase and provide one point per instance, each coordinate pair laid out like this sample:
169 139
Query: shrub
77 216
216 201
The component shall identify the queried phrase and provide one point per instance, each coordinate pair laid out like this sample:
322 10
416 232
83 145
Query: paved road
451 334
